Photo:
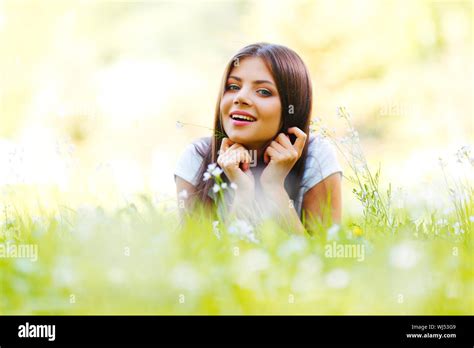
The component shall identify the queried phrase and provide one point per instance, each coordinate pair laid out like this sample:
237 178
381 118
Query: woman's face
251 89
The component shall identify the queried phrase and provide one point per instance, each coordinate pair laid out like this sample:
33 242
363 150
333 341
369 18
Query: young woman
262 144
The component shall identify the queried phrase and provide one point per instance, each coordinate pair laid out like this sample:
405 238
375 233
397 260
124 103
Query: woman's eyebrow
256 82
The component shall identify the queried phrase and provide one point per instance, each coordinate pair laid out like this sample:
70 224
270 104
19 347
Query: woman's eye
232 87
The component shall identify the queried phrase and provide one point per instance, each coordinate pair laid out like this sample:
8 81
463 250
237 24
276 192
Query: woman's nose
242 98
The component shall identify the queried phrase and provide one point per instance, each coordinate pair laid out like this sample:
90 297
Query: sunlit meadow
99 98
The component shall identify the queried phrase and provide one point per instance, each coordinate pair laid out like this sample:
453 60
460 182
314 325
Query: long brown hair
294 87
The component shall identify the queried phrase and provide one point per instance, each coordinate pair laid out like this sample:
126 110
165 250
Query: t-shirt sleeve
321 162
188 165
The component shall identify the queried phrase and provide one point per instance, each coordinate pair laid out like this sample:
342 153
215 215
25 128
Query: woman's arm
185 200
325 194
282 208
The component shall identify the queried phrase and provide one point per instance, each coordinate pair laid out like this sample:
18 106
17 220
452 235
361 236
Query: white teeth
242 117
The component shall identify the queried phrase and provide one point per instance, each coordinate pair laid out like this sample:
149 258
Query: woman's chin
240 140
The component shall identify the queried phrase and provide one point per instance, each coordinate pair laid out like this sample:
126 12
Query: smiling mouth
238 117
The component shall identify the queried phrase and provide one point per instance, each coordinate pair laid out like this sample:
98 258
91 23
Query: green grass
139 260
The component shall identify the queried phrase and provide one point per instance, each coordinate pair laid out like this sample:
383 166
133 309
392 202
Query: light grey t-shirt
321 162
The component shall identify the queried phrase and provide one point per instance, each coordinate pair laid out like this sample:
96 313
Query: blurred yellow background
99 98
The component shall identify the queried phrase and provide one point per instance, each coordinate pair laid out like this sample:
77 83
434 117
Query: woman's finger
300 139
270 153
240 149
282 150
237 154
225 144
244 155
266 157
284 140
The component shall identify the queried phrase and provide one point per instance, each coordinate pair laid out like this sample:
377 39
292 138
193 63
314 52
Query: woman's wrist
276 199
282 207
274 191
243 196
242 201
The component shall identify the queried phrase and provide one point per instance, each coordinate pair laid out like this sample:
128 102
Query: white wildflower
344 140
307 276
233 186
457 228
333 232
254 260
36 219
324 131
452 290
62 272
458 195
337 278
403 256
216 171
224 185
294 245
464 152
354 134
339 112
448 210
207 176
471 218
215 188
342 112
211 167
243 230
215 228
359 167
185 276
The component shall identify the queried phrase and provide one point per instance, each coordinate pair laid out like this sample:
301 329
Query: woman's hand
234 159
281 155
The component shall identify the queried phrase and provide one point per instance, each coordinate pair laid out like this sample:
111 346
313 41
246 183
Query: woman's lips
241 118
241 122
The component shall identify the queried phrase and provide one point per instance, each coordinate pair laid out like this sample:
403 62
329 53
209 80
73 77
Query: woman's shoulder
321 160
319 145
202 145
191 159
197 148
